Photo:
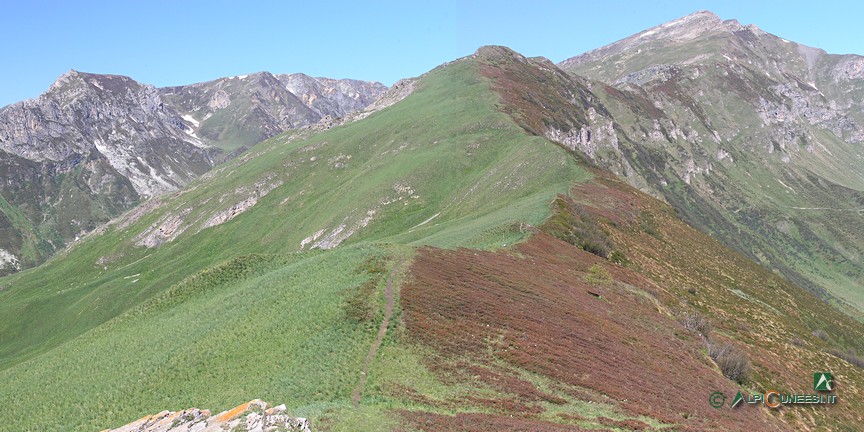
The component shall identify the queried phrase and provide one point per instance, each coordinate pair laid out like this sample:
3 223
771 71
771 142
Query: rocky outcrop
126 122
252 416
332 97
358 219
237 112
259 190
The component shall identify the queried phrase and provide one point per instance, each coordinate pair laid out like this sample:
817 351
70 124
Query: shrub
648 224
574 225
732 362
618 258
797 341
819 333
850 356
598 274
694 321
361 306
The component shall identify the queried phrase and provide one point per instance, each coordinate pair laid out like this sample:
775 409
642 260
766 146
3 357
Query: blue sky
180 42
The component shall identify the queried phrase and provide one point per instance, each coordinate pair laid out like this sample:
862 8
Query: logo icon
738 398
716 399
823 381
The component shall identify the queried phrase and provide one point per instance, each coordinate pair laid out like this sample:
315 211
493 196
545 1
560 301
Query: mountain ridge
107 142
685 28
745 132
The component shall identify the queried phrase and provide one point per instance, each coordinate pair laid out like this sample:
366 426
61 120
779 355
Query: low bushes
850 356
694 321
598 274
732 361
574 225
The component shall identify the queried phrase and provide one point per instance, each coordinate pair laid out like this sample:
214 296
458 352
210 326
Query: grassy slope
464 161
201 351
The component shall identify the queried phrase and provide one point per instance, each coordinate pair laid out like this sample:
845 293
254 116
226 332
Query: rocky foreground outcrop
252 416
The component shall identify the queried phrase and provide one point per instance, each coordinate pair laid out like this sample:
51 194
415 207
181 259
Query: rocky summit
252 416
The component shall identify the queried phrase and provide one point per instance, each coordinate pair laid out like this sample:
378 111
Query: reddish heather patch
525 91
503 405
534 311
406 393
571 416
609 200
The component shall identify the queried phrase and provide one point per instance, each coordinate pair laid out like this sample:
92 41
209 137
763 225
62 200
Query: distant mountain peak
704 13
699 22
493 50
702 16
74 83
498 53
66 77
686 28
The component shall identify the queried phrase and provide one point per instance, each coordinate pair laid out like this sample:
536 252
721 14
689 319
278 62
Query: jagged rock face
237 112
744 133
112 115
89 148
93 146
252 416
768 165
719 73
330 97
398 91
